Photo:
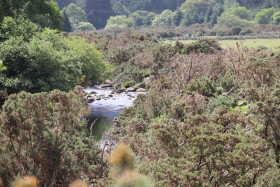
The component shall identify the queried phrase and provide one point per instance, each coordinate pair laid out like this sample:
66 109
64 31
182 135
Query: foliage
128 84
45 13
157 5
178 16
276 18
202 46
240 12
42 136
142 18
123 168
18 28
98 12
164 19
66 23
265 16
119 21
202 86
119 8
230 21
64 3
46 60
208 120
84 26
75 14
202 11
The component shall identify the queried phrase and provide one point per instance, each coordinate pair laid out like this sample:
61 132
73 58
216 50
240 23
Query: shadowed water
103 112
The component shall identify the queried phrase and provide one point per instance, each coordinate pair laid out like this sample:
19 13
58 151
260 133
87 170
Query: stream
103 112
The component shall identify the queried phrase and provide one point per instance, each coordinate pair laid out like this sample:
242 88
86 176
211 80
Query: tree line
91 14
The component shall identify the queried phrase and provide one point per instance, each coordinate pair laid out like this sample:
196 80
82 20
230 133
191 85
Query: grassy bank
251 43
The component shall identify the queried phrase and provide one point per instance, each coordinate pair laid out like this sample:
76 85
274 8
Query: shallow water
103 112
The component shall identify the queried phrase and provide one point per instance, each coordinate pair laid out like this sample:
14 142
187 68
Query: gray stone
131 89
141 85
141 90
243 103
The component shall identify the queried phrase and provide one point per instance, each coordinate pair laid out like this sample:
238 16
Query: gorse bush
208 120
41 135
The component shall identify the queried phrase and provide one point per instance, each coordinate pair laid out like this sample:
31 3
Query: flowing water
103 112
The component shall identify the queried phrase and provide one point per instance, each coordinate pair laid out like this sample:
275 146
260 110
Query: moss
128 84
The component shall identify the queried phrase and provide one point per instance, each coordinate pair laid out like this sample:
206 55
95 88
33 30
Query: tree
265 16
276 18
45 13
66 23
75 14
134 5
120 9
141 18
81 3
83 26
5 9
119 21
44 60
98 11
230 21
64 3
201 11
240 12
178 16
164 19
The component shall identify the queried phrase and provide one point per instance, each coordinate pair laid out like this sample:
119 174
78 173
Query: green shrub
128 84
202 86
45 60
202 46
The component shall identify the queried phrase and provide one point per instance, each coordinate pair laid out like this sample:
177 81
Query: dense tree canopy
202 11
45 13
141 18
43 61
265 16
152 5
240 12
98 12
119 21
276 18
164 19
75 14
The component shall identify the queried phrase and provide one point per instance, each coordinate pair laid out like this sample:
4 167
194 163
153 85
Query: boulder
90 100
141 85
141 90
93 92
105 86
108 81
131 89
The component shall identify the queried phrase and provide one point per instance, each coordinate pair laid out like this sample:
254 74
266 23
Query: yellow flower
78 183
27 182
122 156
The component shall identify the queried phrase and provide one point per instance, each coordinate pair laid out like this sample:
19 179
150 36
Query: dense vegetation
210 118
41 109
221 15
